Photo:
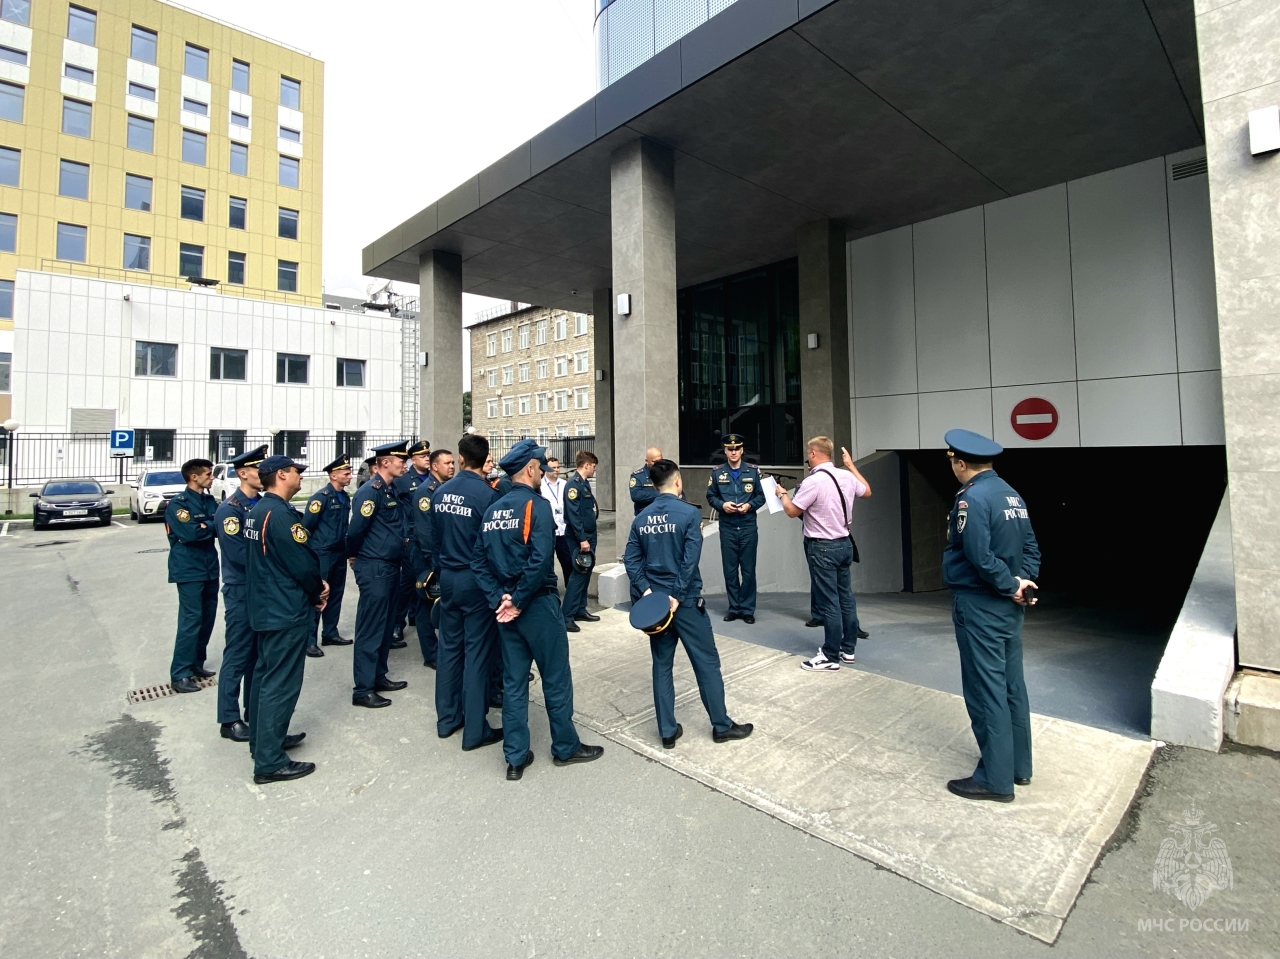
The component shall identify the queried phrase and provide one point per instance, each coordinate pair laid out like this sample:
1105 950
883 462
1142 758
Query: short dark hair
436 454
553 459
474 450
268 480
583 457
662 472
191 467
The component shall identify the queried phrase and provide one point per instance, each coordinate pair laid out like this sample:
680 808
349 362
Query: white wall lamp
422 360
624 304
813 341
1264 130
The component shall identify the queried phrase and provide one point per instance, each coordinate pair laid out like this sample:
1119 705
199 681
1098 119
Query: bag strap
528 520
844 505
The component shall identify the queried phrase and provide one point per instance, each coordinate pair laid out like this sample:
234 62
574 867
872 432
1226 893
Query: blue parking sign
122 442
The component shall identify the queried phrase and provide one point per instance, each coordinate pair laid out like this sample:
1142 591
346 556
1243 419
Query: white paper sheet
770 487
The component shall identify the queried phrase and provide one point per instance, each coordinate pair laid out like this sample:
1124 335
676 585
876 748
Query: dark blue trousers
989 636
575 591
197 610
564 555
537 636
333 570
421 608
238 657
277 681
464 660
692 628
406 598
377 580
830 563
738 552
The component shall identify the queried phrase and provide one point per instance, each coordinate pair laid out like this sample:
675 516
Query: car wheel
105 521
38 526
133 515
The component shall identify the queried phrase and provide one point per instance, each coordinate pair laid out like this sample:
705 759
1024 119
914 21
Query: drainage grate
148 693
1188 168
49 542
164 550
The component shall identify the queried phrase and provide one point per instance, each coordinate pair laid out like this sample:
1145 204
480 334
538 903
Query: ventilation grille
1197 167
149 693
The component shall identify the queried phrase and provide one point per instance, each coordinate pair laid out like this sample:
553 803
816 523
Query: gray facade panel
644 87
458 202
506 174
566 136
732 33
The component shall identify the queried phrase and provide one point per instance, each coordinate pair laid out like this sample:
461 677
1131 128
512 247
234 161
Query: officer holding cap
990 562
662 556
580 523
241 651
285 587
375 545
734 492
326 517
411 563
515 566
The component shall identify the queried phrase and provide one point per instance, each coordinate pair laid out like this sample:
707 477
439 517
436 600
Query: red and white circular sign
1034 418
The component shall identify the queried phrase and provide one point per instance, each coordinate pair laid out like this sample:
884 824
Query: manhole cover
148 693
164 550
49 542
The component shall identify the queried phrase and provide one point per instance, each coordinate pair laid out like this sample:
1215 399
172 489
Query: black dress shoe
370 700
585 754
969 789
314 651
201 673
397 634
585 617
862 633
294 770
429 663
293 739
572 627
449 733
397 644
749 619
237 732
1022 780
814 622
187 684
669 742
390 685
730 617
736 731
515 772
491 737
335 641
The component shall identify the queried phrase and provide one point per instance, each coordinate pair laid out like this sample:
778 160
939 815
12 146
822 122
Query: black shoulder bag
848 517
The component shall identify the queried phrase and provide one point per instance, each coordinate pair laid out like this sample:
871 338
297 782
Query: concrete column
602 328
824 372
1239 72
645 383
440 319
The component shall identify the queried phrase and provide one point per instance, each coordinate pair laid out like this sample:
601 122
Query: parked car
225 481
152 492
71 501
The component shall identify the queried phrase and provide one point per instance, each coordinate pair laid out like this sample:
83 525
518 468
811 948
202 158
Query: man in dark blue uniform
641 484
420 510
284 590
468 630
990 563
375 544
515 568
241 651
326 517
662 554
580 526
411 562
193 566
734 492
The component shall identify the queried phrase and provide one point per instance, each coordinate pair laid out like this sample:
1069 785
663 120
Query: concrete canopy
877 113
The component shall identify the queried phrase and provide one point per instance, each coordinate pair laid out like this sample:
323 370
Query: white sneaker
820 663
846 659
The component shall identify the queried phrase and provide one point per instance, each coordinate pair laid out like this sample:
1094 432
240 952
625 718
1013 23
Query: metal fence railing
563 448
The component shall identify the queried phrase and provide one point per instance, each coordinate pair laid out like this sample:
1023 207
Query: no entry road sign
1034 418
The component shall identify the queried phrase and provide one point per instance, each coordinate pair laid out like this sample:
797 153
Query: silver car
150 495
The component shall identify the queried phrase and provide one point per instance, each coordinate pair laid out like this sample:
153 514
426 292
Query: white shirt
553 493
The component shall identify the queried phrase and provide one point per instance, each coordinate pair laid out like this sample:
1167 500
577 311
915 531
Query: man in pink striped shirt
824 503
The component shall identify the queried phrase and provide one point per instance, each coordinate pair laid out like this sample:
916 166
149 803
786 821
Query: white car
225 481
149 496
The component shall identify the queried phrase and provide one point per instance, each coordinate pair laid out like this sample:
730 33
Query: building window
192 204
6 366
11 100
224 444
10 166
494 438
507 376
235 268
584 429
195 106
195 147
350 372
288 133
562 365
72 242
142 44
580 362
292 368
580 324
240 77
508 406
291 443
8 233
190 261
239 159
287 224
542 369
141 134
6 299
16 11
77 117
287 276
137 192
196 63
156 445
491 343
137 252
81 25
351 442
73 72
227 364
289 172
541 337
524 337
542 402
142 91
562 400
493 376
542 435
290 93
492 408
524 372
237 213
155 359
524 404
581 398
239 120
73 179
506 340
562 326
562 430
13 55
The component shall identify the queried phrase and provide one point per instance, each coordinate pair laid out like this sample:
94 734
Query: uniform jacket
642 489
723 488
579 510
517 548
193 551
326 517
457 510
420 510
989 538
406 484
377 524
284 573
230 519
664 548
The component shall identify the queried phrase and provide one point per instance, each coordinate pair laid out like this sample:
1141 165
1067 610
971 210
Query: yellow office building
142 142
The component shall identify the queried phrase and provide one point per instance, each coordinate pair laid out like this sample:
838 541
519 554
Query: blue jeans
830 563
